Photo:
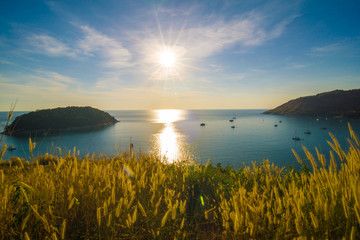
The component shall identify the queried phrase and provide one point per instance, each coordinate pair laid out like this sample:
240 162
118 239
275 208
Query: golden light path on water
169 141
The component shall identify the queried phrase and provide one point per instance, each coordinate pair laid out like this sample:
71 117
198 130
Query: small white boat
232 126
275 125
296 138
307 132
231 120
11 148
202 124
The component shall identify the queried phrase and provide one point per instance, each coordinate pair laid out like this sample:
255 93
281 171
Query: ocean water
174 134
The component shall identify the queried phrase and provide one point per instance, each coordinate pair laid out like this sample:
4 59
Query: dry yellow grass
139 197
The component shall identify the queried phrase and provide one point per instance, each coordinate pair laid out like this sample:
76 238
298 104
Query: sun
165 62
167 58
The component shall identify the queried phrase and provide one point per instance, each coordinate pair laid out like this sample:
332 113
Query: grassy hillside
141 197
58 119
335 103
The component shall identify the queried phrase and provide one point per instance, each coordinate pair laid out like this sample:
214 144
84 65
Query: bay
176 134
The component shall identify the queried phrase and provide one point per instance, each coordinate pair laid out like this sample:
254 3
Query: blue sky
228 54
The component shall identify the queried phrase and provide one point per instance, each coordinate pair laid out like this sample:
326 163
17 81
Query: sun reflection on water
168 115
169 141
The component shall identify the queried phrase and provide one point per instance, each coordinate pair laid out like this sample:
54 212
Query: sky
230 54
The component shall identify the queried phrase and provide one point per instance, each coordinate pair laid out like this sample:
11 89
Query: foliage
335 103
141 197
58 119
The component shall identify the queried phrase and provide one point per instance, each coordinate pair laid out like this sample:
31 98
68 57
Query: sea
232 137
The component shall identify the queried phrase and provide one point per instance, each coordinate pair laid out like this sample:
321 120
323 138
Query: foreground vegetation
141 197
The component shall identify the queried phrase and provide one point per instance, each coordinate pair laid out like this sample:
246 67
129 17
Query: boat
280 121
275 125
323 128
234 117
231 120
307 132
232 126
296 138
202 124
11 148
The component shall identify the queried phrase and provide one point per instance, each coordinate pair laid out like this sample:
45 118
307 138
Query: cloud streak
248 31
327 48
207 35
114 53
45 44
295 66
91 44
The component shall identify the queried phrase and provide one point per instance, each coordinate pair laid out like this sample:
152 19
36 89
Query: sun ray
165 56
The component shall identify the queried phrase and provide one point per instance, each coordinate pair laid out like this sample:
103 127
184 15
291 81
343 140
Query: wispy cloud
45 44
258 71
114 53
202 35
39 82
346 47
295 66
216 68
204 41
6 62
279 28
91 44
54 77
327 48
248 31
196 37
50 89
42 88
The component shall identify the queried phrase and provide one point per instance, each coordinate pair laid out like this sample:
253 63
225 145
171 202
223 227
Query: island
58 120
338 103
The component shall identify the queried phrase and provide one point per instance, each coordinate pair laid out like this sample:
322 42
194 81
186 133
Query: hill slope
334 103
58 119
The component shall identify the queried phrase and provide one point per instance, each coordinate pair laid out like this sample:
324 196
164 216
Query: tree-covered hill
58 119
334 103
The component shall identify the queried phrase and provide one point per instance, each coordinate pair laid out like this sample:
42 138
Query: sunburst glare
167 58
164 62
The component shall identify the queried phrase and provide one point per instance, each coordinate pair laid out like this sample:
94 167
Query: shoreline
45 131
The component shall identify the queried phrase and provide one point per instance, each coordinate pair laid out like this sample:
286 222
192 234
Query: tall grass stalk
126 197
9 117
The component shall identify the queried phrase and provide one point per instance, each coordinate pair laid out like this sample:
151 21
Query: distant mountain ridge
334 103
59 119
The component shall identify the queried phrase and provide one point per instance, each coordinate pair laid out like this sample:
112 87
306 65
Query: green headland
336 103
58 119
